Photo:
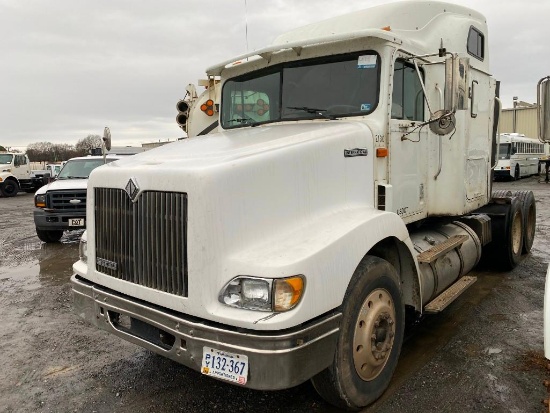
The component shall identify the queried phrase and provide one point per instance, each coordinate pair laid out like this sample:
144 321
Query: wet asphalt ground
484 353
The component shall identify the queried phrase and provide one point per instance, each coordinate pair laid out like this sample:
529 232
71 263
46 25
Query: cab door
408 142
21 168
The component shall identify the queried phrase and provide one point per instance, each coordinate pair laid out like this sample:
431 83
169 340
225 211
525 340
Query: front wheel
371 335
10 188
517 173
49 235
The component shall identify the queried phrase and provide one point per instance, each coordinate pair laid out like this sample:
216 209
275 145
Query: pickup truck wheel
10 188
370 338
49 235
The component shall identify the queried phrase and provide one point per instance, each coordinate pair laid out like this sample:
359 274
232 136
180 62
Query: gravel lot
482 354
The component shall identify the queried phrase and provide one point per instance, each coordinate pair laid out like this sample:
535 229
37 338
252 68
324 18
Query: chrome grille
143 242
61 200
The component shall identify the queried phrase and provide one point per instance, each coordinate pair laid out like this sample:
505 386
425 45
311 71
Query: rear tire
371 335
529 211
506 246
49 236
10 188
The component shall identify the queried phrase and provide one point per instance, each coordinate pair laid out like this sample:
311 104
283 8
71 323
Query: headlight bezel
279 294
40 201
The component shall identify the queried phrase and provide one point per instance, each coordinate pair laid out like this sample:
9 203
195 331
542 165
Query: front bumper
45 220
502 173
277 359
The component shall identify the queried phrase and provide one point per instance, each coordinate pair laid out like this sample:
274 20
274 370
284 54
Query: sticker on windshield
366 62
365 107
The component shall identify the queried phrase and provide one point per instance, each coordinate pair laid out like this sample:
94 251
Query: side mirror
107 138
46 178
456 83
543 109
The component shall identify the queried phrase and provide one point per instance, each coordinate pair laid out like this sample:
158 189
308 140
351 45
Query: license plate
223 365
76 222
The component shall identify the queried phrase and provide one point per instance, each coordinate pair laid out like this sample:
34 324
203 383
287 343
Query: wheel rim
516 233
374 334
9 188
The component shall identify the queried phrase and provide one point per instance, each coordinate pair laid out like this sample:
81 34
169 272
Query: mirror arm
423 87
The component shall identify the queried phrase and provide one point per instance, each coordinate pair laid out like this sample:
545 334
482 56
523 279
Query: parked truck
344 187
16 174
61 204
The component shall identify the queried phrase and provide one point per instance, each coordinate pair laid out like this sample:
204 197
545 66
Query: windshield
5 158
504 151
331 87
80 168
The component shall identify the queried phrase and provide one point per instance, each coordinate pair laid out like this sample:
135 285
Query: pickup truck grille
61 200
143 242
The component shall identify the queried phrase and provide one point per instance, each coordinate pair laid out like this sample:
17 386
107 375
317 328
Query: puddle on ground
34 261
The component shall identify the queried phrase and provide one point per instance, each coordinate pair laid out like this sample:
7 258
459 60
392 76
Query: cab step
442 248
441 302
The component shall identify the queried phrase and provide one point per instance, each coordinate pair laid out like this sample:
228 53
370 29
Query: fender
326 251
8 175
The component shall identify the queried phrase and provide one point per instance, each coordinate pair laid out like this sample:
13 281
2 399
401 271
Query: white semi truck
345 185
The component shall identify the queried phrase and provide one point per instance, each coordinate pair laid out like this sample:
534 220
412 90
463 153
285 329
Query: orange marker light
208 107
387 28
381 152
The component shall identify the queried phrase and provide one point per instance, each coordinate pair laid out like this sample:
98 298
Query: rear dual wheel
529 212
371 335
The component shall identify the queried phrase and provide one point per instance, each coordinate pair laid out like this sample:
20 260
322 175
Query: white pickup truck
61 204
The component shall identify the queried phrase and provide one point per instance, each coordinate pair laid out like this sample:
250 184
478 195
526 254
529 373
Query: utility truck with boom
342 185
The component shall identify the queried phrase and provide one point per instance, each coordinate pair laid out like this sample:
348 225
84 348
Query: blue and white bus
518 156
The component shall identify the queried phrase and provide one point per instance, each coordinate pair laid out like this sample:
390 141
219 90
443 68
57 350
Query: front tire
517 173
370 338
10 188
49 236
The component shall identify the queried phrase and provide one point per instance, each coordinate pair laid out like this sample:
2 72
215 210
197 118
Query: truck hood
229 146
63 184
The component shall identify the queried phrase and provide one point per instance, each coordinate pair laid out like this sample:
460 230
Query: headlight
83 248
40 201
263 294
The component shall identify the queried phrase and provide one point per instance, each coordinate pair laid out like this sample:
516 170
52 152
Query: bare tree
85 146
40 151
51 152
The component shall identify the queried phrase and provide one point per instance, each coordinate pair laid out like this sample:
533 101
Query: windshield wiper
74 177
246 121
313 111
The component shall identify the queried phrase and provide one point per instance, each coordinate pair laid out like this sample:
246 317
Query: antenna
246 25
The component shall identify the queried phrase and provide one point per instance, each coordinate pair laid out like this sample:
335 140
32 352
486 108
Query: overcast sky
69 68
